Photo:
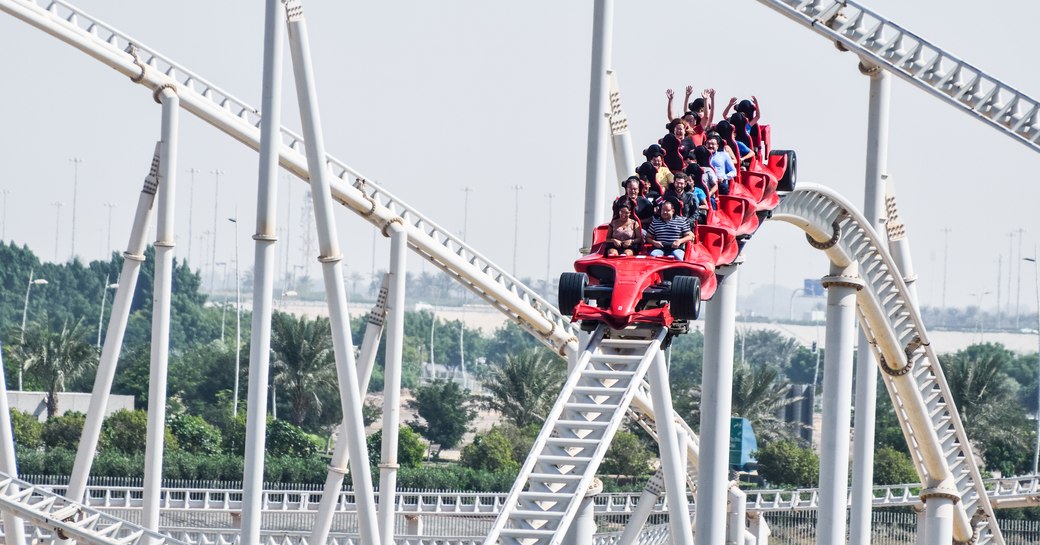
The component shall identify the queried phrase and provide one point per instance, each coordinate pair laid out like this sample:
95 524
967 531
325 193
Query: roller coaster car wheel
572 290
685 299
790 177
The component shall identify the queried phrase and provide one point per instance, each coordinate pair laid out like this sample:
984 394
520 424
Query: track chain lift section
887 45
923 403
576 435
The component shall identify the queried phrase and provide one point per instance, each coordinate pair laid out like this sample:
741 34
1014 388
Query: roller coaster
616 364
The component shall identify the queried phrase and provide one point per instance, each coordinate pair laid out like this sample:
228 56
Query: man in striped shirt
669 233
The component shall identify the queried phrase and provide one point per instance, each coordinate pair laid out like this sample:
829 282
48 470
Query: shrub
63 431
491 451
194 434
127 432
286 439
455 478
28 430
295 469
410 448
787 464
893 467
626 456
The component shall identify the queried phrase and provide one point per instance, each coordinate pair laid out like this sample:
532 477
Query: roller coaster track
923 404
915 382
885 44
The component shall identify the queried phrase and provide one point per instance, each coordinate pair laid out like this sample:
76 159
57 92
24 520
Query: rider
669 233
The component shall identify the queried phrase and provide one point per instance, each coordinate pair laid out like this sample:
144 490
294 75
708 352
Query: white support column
922 528
758 528
647 500
599 109
332 272
392 383
938 514
14 527
161 299
263 283
338 465
583 530
866 368
842 285
716 406
671 456
132 259
737 514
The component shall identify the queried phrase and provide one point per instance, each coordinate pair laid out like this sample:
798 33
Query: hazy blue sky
429 97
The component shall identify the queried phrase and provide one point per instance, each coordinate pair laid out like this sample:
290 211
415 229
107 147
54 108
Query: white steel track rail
70 520
883 43
924 406
577 432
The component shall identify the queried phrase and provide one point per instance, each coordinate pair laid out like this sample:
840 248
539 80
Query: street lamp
108 243
516 222
75 188
790 303
238 317
3 229
978 313
101 316
1036 280
25 316
216 201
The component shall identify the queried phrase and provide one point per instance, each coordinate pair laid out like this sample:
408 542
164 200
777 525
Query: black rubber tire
685 299
571 291
790 177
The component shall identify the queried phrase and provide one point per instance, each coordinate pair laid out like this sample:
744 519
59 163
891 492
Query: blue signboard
742 444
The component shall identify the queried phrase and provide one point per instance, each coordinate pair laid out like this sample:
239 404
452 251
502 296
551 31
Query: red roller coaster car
625 290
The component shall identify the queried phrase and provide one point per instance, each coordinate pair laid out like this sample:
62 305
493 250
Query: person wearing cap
669 233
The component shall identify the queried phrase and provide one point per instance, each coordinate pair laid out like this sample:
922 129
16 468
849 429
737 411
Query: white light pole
3 228
25 316
108 242
216 201
548 248
1036 280
516 222
101 315
238 317
57 226
978 312
465 212
191 206
75 188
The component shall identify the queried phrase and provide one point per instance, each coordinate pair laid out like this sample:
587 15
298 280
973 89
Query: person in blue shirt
721 162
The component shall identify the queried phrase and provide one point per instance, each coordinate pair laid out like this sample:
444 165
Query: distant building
35 403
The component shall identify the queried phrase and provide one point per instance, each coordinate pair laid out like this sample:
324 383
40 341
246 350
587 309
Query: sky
429 98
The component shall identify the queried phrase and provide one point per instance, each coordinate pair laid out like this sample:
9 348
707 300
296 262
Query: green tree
446 412
127 432
785 463
490 451
63 431
627 456
305 363
987 399
27 430
52 358
285 439
410 448
524 389
194 434
759 392
893 467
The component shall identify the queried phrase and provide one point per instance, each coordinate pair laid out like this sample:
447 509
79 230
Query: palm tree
304 360
986 396
53 358
759 392
524 389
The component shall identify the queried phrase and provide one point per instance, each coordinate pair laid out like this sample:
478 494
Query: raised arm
758 110
732 102
671 97
709 108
